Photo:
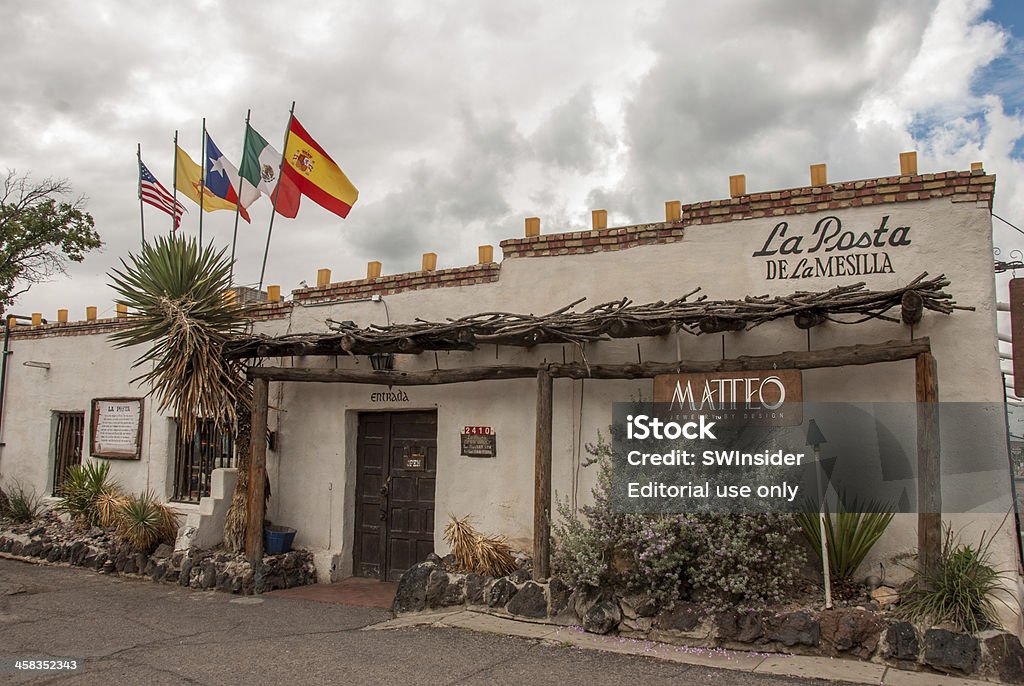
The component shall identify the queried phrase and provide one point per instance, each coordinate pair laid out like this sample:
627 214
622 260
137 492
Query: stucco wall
313 469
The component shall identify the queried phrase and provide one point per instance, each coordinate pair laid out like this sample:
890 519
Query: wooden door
396 465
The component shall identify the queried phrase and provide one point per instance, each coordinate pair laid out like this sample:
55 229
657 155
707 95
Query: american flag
152 192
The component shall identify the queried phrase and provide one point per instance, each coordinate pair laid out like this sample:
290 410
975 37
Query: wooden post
532 226
62 316
819 174
737 185
323 277
485 254
908 163
542 480
90 313
255 498
273 293
598 219
673 211
37 319
373 269
122 310
429 263
929 485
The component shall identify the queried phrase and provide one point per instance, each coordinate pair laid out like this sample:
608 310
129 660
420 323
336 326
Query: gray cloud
456 120
572 136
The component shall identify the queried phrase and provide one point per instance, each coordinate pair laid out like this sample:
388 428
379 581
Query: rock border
57 543
848 632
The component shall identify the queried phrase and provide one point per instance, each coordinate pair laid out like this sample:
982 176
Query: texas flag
223 181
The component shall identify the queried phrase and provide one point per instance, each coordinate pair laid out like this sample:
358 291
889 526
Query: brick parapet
959 186
82 328
398 283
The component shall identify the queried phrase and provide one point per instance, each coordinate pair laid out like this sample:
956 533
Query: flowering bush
720 560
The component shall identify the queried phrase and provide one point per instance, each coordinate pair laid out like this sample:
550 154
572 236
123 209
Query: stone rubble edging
868 637
200 569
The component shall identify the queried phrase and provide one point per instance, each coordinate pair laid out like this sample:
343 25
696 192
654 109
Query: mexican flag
261 166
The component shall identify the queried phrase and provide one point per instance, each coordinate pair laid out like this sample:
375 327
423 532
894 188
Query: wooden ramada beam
868 353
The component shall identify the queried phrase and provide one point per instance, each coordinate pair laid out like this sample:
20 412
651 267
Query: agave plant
142 522
176 294
82 490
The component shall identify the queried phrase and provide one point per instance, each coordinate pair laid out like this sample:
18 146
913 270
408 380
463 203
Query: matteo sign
769 398
830 249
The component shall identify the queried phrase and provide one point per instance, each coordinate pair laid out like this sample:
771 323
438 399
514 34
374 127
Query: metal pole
174 215
277 186
238 207
202 183
142 215
824 538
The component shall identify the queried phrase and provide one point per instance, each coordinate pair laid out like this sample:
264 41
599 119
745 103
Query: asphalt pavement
134 631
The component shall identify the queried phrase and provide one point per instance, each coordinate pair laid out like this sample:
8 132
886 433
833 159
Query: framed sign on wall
479 441
116 428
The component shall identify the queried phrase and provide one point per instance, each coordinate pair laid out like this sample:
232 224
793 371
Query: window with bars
67 446
194 461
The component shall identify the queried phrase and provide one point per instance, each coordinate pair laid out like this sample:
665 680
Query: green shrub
850 536
82 489
961 589
719 560
19 505
745 561
142 522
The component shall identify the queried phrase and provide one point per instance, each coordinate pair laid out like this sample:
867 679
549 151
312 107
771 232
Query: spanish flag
315 174
188 179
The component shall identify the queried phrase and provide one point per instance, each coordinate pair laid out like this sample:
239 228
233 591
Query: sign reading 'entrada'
831 250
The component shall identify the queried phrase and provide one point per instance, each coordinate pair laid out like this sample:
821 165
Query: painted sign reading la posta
831 249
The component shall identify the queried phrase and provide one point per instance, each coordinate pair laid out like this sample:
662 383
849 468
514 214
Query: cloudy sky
458 119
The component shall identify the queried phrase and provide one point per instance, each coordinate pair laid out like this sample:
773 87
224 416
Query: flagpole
238 207
277 188
174 215
142 215
202 184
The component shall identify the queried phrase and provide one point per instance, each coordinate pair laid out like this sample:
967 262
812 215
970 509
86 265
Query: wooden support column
542 480
929 485
256 496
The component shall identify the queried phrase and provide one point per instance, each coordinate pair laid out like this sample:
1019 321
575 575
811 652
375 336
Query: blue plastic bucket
277 539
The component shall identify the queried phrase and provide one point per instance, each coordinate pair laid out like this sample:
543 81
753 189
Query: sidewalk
853 671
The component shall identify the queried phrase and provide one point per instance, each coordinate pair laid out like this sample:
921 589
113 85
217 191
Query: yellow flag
188 179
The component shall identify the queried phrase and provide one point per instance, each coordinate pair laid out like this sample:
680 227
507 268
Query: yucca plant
961 589
477 553
850 535
176 292
108 507
19 505
81 490
142 521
